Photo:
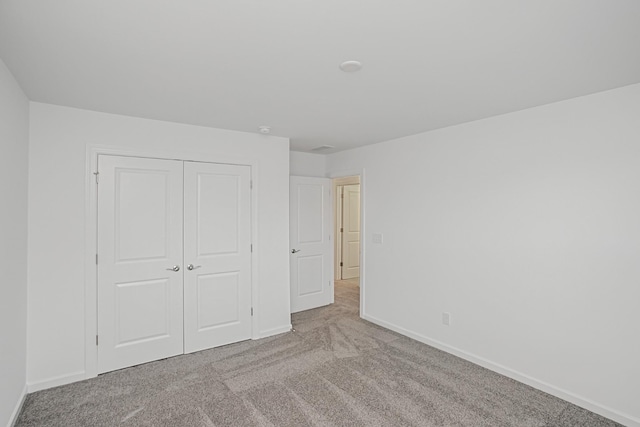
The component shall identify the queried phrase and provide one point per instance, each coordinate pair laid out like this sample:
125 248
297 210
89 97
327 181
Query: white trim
275 331
91 214
363 229
583 402
91 271
57 381
337 224
338 219
13 419
347 180
255 277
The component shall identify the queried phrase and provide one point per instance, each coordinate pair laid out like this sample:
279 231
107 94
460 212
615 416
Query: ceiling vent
323 147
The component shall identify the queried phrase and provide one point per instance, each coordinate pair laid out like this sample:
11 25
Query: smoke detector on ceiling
351 66
264 129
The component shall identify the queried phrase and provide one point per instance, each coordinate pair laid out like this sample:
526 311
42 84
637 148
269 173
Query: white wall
526 229
14 148
307 164
59 140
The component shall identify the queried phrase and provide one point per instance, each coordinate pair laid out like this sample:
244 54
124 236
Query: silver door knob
192 267
174 268
295 251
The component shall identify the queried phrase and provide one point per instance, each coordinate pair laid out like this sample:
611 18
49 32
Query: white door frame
91 232
337 224
363 228
338 184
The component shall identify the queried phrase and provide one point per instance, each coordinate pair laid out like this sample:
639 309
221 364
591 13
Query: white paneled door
217 250
139 246
311 246
162 292
350 231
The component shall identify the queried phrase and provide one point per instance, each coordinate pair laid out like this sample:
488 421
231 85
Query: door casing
338 183
347 235
347 177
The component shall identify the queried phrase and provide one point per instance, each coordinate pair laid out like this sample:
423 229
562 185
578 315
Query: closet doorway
173 259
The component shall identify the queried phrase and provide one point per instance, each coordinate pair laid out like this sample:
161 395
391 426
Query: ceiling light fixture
264 129
351 66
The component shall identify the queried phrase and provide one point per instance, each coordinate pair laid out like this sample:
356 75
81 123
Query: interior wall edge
16 411
14 164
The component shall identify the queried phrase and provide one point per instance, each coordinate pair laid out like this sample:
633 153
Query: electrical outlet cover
446 319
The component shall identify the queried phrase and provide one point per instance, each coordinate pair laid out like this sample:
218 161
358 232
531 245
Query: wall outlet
446 319
377 238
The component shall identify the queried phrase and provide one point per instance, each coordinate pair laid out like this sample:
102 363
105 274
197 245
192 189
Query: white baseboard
56 381
585 403
82 375
16 411
273 331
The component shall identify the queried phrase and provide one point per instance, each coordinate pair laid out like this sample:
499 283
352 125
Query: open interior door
311 243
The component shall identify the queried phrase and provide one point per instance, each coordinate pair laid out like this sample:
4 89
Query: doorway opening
347 242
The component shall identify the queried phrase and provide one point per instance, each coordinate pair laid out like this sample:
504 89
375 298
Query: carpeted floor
336 369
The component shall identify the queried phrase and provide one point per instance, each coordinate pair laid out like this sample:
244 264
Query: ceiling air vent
323 147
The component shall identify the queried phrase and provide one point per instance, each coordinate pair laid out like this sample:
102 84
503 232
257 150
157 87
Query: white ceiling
238 64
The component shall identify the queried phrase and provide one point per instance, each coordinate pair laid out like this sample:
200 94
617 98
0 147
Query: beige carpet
335 370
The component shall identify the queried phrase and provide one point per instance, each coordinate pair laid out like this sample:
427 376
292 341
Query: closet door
217 255
140 280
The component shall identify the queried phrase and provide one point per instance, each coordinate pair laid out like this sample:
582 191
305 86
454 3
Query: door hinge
340 264
96 174
252 311
252 247
251 184
96 259
96 340
341 230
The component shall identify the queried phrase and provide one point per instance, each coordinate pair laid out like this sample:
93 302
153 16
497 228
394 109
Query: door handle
295 251
192 267
174 268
